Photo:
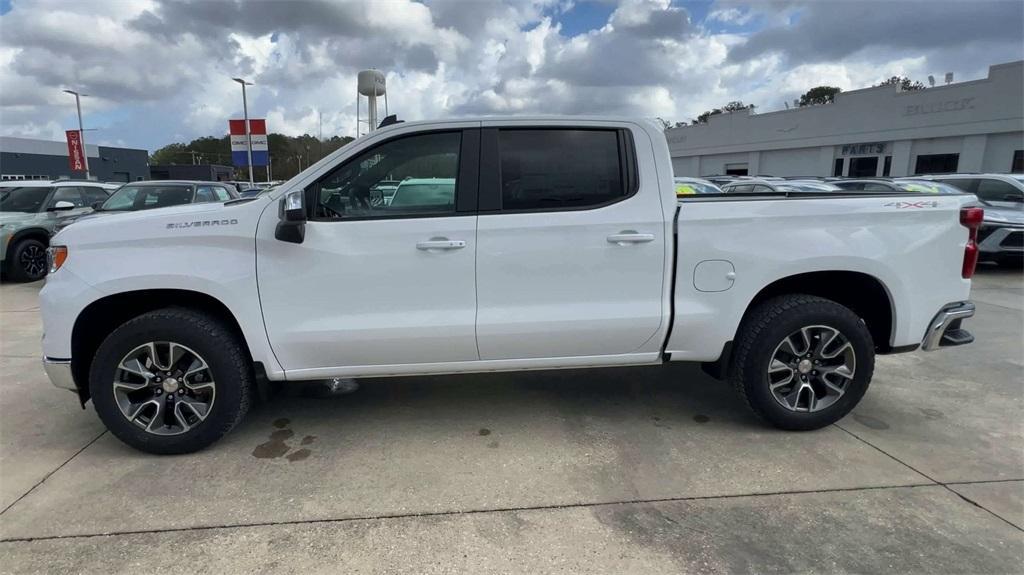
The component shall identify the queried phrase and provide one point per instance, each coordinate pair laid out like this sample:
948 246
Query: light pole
248 135
81 131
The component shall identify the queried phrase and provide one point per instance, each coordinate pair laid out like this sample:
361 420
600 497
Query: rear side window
222 194
551 169
94 194
997 191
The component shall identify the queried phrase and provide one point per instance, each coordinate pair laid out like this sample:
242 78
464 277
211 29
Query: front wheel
26 261
171 381
802 362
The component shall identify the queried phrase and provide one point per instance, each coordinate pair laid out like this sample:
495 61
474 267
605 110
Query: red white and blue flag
239 147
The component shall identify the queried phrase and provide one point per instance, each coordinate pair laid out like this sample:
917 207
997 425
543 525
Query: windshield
928 187
130 198
22 199
690 187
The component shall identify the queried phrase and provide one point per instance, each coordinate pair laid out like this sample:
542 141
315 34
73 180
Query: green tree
819 95
904 83
733 106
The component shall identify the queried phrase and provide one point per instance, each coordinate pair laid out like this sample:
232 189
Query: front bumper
1000 240
944 329
59 372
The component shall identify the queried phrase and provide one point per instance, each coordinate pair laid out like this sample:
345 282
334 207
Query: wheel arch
101 317
35 233
863 293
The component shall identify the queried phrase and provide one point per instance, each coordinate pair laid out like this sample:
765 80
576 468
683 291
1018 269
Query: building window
838 169
736 169
864 167
887 167
1018 162
937 164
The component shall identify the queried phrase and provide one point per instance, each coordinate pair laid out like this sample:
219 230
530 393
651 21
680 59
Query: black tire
219 347
23 261
762 332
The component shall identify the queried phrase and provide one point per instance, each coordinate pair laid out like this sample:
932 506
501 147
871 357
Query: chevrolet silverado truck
518 244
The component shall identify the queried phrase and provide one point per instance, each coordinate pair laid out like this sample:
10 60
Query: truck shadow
670 395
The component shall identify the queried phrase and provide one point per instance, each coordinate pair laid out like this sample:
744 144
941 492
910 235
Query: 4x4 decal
918 204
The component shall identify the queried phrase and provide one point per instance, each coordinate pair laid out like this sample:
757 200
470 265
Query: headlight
56 256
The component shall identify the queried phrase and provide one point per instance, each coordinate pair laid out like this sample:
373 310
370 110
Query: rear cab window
562 168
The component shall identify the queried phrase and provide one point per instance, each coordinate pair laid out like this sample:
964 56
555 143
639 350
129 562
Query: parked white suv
562 245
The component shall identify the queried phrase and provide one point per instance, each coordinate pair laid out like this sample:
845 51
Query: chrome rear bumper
59 372
944 329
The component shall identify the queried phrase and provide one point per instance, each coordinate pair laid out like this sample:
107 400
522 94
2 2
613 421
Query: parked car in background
761 186
30 212
1001 236
897 185
691 186
154 194
1006 190
428 193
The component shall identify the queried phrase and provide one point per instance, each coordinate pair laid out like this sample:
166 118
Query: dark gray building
202 172
30 159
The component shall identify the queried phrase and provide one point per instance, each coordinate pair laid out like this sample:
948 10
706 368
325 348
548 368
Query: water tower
371 84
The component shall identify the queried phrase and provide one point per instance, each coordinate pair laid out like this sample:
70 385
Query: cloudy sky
159 71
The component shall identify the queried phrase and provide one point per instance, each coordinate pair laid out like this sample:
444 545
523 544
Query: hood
177 222
18 218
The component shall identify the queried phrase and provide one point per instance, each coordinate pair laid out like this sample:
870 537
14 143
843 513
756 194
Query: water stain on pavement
277 445
484 431
868 421
930 413
701 418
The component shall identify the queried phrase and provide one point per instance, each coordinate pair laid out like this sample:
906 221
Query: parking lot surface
589 471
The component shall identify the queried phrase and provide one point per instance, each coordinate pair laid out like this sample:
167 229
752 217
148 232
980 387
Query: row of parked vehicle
1000 238
33 211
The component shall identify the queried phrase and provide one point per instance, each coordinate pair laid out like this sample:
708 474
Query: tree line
819 95
288 155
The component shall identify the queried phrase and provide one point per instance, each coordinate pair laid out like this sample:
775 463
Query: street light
81 131
248 136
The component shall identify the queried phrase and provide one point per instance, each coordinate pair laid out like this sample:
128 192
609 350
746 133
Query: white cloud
160 71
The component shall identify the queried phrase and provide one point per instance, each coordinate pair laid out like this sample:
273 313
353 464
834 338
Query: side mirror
62 206
292 216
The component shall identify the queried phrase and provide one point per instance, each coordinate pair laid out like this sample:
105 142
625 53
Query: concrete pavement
617 470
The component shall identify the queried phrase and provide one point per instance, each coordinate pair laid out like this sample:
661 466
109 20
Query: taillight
971 218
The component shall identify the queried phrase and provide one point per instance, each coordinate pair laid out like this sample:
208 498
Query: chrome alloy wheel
811 368
164 388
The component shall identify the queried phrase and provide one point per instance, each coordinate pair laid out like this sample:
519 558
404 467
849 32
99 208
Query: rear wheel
171 381
26 261
802 362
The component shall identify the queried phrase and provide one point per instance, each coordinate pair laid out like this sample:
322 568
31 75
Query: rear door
376 284
571 253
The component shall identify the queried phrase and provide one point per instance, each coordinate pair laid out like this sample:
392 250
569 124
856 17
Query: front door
379 283
571 258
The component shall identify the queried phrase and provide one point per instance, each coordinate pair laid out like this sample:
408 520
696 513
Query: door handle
441 245
630 237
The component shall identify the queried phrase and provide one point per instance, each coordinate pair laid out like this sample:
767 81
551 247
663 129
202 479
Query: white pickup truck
509 244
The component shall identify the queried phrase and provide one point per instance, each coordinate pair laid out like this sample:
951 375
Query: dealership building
974 126
30 159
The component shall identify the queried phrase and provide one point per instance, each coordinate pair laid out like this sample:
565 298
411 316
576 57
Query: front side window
559 168
410 176
67 194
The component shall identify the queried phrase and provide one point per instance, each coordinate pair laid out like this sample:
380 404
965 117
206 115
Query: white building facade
975 126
